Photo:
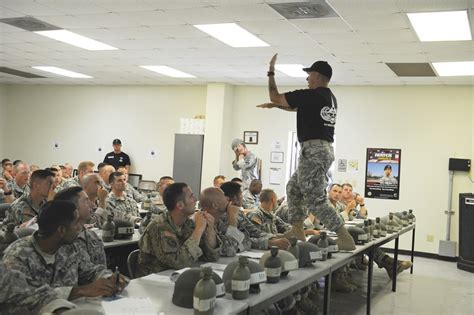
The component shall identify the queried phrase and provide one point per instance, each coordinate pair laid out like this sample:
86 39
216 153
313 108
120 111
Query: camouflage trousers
306 188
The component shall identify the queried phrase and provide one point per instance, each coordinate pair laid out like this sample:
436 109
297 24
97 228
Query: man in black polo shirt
316 109
117 158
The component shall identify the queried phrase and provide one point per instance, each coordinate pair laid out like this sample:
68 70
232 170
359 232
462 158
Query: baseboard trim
420 254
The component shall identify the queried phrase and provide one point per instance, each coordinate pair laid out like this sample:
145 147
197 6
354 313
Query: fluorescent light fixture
168 71
292 70
63 72
441 26
76 40
451 69
232 35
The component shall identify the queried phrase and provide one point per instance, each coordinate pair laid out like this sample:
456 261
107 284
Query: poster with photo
382 178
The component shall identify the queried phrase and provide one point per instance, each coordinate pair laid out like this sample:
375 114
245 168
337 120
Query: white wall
3 107
429 123
82 118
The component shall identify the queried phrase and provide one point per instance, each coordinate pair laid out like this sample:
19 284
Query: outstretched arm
275 96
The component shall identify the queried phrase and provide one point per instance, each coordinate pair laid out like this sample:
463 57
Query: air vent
412 69
29 23
20 73
304 10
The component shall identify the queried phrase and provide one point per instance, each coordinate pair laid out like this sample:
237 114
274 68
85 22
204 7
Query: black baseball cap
387 167
322 67
116 141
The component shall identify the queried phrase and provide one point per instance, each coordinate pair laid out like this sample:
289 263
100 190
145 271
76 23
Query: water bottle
147 203
391 225
241 280
376 231
108 230
273 266
323 245
204 295
404 218
411 216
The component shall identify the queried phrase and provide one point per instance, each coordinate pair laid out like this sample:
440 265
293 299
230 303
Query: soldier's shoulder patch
169 234
255 219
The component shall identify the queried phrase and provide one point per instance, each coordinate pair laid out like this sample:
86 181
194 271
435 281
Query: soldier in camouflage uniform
92 186
49 256
174 241
264 218
17 298
159 206
245 161
87 241
104 174
19 185
85 167
118 203
29 206
316 109
129 189
251 195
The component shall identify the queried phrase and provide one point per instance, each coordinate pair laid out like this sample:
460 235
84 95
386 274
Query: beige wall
429 123
3 106
82 118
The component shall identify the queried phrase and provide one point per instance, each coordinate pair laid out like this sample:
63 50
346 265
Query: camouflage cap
309 253
123 229
358 234
235 143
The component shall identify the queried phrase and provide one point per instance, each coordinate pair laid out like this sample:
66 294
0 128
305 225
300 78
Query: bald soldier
316 109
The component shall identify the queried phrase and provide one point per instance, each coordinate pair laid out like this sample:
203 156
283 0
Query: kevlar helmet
257 276
309 253
332 248
288 261
358 234
184 287
123 229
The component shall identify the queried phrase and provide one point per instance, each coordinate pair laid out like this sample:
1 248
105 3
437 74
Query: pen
117 279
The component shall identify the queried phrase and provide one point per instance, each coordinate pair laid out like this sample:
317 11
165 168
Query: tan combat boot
297 230
387 264
344 239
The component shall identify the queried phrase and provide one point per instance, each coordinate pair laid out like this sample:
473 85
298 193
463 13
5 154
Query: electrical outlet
430 238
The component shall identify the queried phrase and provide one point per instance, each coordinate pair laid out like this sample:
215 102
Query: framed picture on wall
251 137
382 179
276 157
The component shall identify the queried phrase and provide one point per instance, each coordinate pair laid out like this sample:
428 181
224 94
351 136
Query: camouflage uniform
17 190
133 193
388 182
307 185
241 238
67 268
123 207
89 242
268 222
158 206
22 210
164 245
17 298
248 167
282 212
71 182
250 201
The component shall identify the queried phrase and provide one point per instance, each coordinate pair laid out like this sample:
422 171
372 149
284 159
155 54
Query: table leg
327 293
369 279
412 249
394 267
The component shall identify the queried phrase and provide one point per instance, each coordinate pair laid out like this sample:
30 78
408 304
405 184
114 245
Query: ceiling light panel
441 26
292 70
63 72
232 35
451 69
168 71
76 40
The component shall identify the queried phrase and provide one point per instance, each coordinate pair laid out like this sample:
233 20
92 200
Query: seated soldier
172 240
85 167
251 195
130 190
353 202
104 173
7 197
234 229
25 208
266 220
218 180
19 184
58 175
17 298
87 241
92 186
118 203
50 257
164 182
68 170
7 170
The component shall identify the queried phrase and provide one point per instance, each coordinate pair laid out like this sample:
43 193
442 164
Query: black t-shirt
316 113
117 159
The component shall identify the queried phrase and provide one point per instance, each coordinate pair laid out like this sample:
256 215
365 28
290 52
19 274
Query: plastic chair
132 261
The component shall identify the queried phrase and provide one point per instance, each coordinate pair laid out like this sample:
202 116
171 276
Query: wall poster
382 179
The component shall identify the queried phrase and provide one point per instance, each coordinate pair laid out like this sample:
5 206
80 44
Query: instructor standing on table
316 109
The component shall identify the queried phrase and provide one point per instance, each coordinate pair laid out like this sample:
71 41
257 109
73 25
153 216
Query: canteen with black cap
257 276
185 284
204 296
332 247
288 261
309 253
